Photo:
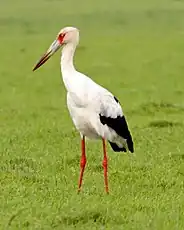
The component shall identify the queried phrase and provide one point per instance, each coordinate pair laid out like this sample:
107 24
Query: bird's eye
61 37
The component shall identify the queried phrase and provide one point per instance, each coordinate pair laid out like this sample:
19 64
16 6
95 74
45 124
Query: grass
135 49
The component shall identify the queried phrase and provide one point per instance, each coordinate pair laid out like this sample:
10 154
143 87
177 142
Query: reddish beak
52 49
42 60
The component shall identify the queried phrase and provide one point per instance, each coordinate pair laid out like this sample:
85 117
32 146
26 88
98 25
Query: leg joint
83 162
104 162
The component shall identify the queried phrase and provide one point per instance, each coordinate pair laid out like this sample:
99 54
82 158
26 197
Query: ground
133 48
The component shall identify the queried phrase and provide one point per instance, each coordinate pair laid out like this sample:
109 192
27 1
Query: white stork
95 111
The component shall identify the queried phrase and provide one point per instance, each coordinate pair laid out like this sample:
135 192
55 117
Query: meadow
136 50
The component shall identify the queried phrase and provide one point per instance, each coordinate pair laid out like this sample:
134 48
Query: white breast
83 118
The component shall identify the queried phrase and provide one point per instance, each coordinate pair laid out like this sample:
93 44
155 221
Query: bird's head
65 36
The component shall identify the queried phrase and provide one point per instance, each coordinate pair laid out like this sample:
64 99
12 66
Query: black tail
116 148
119 125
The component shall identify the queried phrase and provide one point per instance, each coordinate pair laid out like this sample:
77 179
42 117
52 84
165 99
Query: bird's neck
67 58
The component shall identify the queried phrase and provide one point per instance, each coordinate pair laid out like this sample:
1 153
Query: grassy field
136 50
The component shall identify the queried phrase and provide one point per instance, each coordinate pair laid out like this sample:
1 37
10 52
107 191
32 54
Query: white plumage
95 112
87 103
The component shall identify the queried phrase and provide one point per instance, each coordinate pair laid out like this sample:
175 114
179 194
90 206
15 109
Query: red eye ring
61 37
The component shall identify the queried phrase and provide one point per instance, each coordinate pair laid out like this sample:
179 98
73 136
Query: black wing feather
119 125
116 148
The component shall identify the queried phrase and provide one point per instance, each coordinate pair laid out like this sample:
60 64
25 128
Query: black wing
119 125
113 117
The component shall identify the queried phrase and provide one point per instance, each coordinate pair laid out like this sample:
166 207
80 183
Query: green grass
136 50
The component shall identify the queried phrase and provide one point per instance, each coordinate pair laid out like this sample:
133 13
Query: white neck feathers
67 57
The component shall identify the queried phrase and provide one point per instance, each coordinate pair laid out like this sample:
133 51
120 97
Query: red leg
82 162
105 166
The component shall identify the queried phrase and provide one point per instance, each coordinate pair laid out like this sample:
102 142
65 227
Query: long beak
52 49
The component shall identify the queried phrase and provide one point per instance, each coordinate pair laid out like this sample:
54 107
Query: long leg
82 162
105 166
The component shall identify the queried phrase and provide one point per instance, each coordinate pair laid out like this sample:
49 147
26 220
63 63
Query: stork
95 112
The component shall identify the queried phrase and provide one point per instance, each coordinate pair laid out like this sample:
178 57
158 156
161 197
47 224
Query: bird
95 112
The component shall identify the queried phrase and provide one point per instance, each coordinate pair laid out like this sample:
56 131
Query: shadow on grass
181 156
153 107
81 219
24 169
97 168
23 164
73 161
163 124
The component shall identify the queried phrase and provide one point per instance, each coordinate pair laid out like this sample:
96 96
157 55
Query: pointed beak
52 49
